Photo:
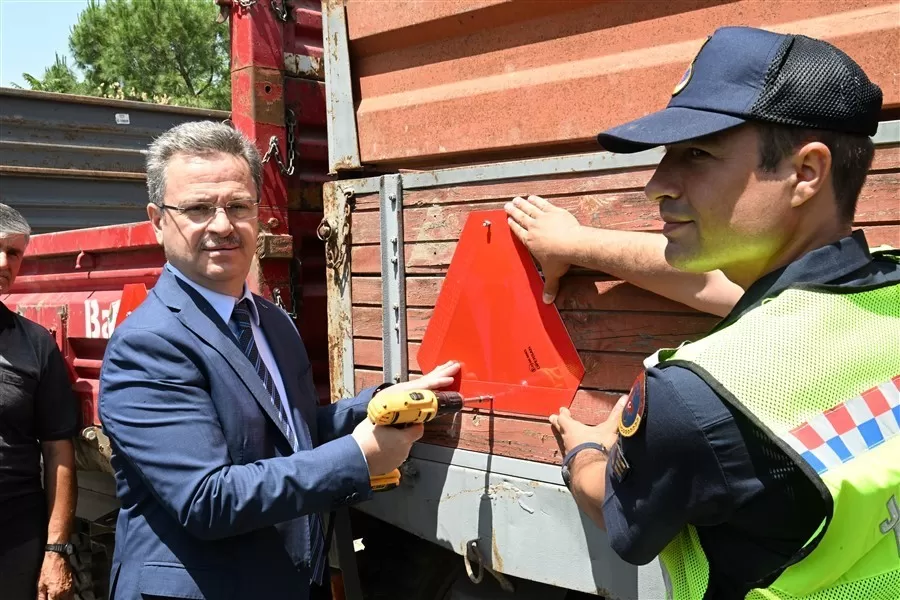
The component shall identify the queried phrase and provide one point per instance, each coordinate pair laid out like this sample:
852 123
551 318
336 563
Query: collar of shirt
223 304
823 265
7 317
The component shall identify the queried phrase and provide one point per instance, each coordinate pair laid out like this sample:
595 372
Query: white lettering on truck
99 323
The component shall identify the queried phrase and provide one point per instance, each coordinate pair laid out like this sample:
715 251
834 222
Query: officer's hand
385 448
569 432
549 233
439 377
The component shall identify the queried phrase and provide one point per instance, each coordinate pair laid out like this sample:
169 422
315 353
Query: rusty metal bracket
337 243
393 281
93 451
274 151
334 230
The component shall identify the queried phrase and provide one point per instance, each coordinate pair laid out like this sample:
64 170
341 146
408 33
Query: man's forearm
61 488
639 258
589 488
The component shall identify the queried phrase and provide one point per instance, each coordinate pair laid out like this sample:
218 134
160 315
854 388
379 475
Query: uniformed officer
761 461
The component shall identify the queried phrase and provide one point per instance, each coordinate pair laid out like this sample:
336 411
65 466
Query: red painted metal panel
277 75
476 80
72 282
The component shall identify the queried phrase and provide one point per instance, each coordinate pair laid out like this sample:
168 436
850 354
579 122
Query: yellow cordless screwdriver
414 406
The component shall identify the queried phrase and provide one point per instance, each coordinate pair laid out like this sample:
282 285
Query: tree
170 51
58 77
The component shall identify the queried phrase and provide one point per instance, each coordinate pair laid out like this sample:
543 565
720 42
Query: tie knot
241 313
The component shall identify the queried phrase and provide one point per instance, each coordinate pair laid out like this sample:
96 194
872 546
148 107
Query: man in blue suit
224 462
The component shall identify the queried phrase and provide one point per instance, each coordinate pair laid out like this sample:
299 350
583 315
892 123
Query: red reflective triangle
491 318
132 296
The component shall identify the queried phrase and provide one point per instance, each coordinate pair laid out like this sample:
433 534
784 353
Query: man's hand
588 469
55 582
550 233
570 432
385 448
438 378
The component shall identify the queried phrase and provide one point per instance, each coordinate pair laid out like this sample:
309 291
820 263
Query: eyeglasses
203 212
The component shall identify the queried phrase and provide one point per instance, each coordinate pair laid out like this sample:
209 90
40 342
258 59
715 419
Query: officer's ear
811 171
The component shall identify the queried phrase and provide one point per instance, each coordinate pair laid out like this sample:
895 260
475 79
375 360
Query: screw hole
268 88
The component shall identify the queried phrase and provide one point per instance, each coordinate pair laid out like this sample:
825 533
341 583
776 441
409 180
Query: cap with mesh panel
746 74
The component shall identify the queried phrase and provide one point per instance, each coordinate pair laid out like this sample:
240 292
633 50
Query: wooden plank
883 235
548 187
440 222
886 158
432 258
628 211
611 371
515 437
529 438
593 291
610 331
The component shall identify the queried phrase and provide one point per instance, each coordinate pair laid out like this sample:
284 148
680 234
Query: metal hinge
275 152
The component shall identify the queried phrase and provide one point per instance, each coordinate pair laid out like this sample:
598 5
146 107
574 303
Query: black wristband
64 549
566 474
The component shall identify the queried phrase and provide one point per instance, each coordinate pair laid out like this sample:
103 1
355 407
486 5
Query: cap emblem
689 72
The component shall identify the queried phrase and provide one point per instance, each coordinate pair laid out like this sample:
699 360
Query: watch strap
65 549
593 445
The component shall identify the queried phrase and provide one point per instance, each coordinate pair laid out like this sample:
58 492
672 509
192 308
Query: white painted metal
525 527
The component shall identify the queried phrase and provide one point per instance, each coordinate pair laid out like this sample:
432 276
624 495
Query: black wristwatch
64 549
566 475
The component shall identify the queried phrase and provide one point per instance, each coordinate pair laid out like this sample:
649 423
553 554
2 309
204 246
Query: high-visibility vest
817 368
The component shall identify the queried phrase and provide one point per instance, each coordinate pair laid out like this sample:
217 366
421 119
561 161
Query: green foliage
58 77
165 51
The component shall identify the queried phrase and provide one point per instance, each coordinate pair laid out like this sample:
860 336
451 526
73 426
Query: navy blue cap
745 74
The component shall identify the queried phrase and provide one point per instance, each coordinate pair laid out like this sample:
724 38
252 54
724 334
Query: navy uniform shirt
695 460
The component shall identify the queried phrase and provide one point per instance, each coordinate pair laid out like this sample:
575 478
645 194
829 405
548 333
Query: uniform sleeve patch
633 414
620 466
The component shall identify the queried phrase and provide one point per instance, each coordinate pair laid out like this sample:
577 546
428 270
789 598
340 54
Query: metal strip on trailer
343 146
888 133
393 281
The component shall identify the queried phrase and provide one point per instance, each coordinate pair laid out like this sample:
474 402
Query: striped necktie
241 317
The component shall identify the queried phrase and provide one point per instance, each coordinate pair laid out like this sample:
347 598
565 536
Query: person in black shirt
38 418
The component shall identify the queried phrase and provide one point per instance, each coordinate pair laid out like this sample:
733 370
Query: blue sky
31 31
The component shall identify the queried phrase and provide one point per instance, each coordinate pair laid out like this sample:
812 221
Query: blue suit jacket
210 489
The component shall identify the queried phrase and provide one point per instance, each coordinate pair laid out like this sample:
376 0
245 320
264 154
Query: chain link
275 152
280 11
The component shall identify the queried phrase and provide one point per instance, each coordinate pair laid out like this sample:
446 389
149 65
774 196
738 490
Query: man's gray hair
12 222
198 138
